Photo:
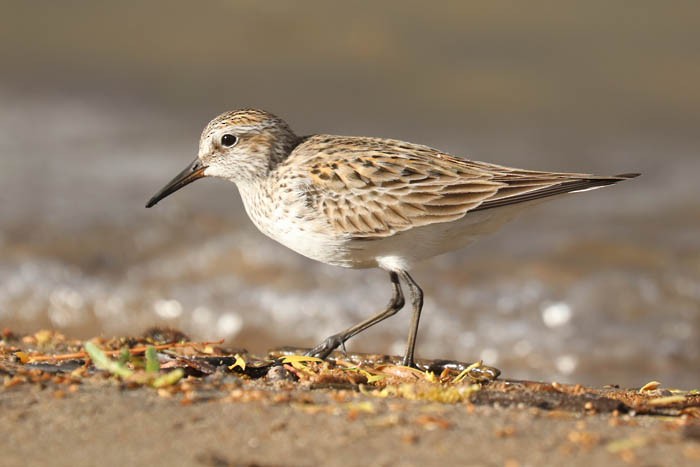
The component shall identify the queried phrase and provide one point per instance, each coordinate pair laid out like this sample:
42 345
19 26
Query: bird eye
228 140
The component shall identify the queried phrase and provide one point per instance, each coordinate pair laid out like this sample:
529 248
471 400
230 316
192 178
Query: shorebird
362 202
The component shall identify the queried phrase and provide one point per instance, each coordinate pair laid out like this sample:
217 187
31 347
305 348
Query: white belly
289 222
292 225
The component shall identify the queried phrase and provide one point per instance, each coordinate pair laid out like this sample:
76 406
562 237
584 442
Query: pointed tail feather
572 186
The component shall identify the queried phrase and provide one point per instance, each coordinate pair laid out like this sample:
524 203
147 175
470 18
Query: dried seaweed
197 371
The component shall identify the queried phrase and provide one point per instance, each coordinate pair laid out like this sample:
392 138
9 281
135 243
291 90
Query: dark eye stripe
228 140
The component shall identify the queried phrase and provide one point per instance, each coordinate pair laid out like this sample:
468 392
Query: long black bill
193 172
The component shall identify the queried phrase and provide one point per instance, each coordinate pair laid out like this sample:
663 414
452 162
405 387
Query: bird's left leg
331 343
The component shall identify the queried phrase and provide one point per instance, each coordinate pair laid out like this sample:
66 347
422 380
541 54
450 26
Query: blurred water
601 287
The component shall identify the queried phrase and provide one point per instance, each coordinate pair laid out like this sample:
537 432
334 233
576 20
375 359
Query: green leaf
168 379
103 362
152 363
124 356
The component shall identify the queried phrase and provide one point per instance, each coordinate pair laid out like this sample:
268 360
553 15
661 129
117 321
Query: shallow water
597 288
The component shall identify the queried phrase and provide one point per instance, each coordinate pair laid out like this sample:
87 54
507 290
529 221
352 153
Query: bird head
240 146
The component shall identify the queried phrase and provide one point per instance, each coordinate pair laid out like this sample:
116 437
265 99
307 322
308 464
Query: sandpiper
362 202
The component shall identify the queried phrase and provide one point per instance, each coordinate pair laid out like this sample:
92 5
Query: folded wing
373 188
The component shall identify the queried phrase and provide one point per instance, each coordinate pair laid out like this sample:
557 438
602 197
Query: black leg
417 302
397 302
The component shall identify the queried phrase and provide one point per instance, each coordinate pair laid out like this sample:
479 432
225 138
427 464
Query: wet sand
136 427
312 414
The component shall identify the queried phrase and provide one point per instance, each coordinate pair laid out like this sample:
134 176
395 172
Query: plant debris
199 371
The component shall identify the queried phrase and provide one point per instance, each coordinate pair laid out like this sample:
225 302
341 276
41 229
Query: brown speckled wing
373 188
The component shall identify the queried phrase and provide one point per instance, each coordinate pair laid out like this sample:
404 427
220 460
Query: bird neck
282 148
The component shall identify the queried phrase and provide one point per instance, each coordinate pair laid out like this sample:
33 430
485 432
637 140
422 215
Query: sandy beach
65 412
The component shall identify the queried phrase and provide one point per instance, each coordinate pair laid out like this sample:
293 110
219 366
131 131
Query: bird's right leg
331 343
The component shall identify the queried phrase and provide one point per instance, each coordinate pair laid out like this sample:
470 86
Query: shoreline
304 412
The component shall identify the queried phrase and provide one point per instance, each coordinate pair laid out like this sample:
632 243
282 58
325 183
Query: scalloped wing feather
374 188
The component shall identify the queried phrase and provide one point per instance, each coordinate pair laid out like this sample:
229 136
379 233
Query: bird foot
325 348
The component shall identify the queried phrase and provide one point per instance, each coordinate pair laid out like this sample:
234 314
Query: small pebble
280 373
